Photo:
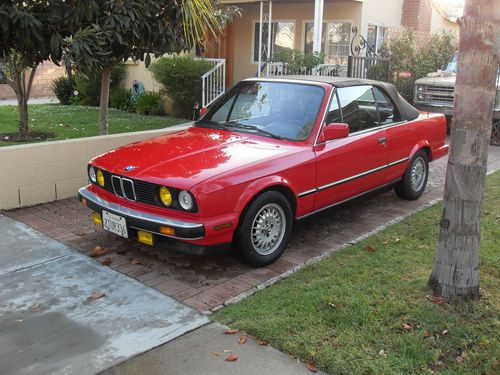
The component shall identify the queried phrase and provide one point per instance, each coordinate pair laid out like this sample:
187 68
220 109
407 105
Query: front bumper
142 221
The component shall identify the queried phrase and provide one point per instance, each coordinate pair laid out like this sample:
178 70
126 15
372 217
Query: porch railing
213 82
273 69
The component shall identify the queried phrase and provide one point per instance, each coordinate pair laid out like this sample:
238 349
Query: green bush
63 89
420 57
149 103
89 85
121 99
180 77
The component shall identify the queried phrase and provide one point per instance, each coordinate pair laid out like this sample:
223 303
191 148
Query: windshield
452 64
273 109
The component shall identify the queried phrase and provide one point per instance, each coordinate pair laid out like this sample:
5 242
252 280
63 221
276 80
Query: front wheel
414 180
265 229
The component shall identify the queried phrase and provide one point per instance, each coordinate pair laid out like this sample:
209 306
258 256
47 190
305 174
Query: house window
335 40
375 37
282 34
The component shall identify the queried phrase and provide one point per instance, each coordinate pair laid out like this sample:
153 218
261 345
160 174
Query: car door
401 136
349 166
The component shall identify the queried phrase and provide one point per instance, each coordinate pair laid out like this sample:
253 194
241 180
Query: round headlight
165 196
185 200
100 178
92 175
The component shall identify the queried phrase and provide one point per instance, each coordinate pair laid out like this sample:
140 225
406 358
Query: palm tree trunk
455 274
103 105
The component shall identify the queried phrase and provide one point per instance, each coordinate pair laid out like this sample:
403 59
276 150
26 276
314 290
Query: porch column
318 25
261 20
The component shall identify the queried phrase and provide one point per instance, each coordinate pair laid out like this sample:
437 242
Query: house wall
299 12
382 13
439 23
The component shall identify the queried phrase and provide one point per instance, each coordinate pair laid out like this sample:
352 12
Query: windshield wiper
213 124
253 127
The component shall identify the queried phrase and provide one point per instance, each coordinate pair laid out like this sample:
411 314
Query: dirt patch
33 136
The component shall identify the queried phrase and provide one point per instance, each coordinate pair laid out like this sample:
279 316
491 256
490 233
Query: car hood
437 81
183 159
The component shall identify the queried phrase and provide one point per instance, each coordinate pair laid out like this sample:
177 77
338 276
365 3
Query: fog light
165 196
96 218
145 237
100 178
167 231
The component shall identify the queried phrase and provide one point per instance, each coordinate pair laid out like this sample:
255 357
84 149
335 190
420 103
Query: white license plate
114 224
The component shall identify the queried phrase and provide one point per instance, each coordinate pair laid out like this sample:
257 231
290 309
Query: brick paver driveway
206 283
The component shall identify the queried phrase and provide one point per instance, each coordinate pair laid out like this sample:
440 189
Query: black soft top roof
406 110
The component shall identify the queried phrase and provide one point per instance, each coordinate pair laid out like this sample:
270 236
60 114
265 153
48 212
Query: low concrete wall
44 172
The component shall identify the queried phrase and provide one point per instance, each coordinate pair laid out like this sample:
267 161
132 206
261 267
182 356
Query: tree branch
30 82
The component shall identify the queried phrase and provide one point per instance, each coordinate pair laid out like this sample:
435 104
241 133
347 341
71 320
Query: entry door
349 166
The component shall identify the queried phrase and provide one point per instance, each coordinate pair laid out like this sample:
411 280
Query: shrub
121 99
149 103
418 54
180 77
89 85
63 89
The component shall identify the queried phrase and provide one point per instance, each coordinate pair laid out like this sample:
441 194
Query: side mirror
335 130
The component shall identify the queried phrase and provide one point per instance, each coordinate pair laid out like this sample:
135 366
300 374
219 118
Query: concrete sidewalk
52 323
64 313
43 100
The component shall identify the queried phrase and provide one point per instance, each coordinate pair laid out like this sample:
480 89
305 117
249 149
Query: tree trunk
22 103
103 106
455 274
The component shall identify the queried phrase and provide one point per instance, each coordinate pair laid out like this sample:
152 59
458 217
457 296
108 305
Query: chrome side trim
347 199
338 182
84 192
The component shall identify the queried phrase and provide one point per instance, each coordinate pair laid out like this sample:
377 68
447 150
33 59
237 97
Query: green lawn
366 312
76 121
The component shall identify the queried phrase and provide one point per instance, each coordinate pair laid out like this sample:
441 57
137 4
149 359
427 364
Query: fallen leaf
243 339
19 320
370 248
311 367
460 360
427 334
136 261
106 262
397 240
97 295
332 305
262 342
436 300
444 332
98 251
422 247
217 354
385 242
231 331
381 353
227 350
231 358
36 307
407 326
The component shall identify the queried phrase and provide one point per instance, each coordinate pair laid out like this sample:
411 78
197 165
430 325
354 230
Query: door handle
382 140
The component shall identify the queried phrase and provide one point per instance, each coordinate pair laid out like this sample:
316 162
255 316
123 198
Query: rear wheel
265 229
414 180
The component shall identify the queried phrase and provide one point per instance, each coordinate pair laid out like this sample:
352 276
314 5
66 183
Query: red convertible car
267 153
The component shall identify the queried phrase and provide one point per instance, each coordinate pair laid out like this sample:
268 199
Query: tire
414 180
259 248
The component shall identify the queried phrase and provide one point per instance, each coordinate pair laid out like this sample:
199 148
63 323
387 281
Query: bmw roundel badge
129 168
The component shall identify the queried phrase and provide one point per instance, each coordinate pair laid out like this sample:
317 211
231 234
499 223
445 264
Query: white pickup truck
435 92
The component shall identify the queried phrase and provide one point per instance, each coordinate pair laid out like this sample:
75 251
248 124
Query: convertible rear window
283 110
